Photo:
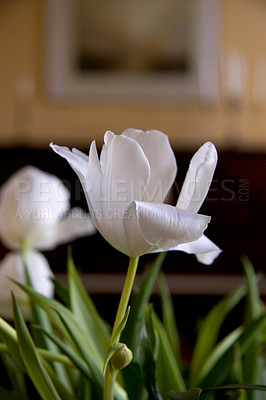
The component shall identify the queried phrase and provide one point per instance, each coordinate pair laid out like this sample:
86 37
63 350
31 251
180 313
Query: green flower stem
109 381
110 375
24 249
127 289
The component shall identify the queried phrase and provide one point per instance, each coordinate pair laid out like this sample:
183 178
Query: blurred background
70 70
227 106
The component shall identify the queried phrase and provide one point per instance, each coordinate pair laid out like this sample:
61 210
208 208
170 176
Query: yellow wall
33 119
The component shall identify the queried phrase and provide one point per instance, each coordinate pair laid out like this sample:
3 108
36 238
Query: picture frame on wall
122 50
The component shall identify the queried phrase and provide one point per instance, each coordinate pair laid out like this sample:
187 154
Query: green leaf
32 361
146 356
218 360
16 376
97 377
168 372
261 377
193 394
168 316
236 365
54 357
142 371
89 372
56 312
43 320
8 395
241 386
62 292
253 310
72 355
39 317
151 331
64 389
251 332
134 382
9 336
254 305
209 331
83 389
220 373
86 314
236 375
63 318
218 352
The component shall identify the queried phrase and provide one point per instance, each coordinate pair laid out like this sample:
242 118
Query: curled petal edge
204 249
163 226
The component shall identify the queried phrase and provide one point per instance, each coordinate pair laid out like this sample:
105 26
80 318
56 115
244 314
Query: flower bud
121 358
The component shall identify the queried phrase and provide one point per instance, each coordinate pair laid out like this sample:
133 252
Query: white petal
205 250
118 178
125 169
160 155
74 225
198 178
94 174
82 164
30 200
79 162
208 258
161 226
12 267
75 158
80 154
135 241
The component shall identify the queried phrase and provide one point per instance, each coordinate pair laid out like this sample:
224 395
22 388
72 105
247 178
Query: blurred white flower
35 208
127 187
12 267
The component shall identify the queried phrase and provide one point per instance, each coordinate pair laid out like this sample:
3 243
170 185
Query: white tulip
34 208
126 189
12 267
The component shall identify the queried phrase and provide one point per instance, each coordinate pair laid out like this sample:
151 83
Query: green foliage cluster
66 347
